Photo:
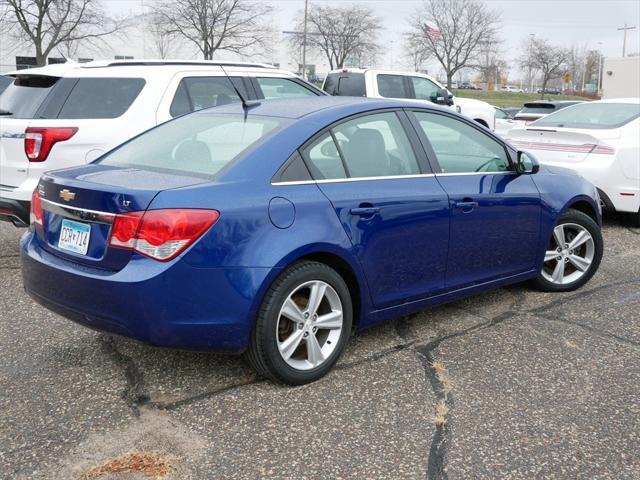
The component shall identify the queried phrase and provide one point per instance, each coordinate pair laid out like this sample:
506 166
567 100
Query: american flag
433 33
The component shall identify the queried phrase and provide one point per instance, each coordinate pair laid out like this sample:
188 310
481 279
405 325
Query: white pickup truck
358 82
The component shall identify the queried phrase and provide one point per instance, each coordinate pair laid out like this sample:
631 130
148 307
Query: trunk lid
80 205
558 145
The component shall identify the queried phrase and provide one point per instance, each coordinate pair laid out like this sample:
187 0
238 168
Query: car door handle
466 206
364 211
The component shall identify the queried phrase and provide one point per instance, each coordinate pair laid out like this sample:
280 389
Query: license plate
74 237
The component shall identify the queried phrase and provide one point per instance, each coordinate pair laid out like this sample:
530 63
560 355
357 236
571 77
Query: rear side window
324 160
282 88
199 145
345 84
101 97
392 86
196 93
373 145
23 97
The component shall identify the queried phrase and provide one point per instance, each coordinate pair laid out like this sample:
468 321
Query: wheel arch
335 257
585 205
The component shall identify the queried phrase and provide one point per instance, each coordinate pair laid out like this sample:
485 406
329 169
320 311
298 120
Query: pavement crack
596 331
134 394
203 395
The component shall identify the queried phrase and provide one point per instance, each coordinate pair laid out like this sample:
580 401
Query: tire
286 350
633 219
572 262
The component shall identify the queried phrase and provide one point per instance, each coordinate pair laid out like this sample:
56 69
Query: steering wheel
496 160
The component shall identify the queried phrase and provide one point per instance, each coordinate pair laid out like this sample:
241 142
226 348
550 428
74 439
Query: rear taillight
36 216
161 234
603 150
39 141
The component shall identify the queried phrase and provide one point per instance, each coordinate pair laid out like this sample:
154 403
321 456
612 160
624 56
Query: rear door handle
364 211
466 206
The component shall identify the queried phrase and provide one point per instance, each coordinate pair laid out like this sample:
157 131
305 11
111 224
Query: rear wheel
634 219
573 254
303 325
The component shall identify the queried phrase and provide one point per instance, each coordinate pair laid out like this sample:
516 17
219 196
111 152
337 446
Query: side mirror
443 97
527 163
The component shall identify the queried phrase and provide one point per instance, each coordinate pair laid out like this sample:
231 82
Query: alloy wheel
569 255
309 325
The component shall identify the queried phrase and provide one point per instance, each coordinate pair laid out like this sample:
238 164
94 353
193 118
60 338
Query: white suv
69 114
357 82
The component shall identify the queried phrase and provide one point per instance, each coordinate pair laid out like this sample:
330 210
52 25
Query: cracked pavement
534 385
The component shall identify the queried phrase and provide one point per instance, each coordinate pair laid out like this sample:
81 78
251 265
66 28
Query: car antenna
246 104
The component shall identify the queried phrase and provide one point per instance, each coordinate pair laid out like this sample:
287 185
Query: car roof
295 108
619 100
138 67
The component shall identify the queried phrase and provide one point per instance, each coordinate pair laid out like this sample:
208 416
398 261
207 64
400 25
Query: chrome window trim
82 214
457 174
354 179
389 177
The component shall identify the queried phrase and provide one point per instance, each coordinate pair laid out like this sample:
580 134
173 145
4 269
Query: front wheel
303 325
573 254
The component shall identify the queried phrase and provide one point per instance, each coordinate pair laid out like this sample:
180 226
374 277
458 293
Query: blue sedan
275 229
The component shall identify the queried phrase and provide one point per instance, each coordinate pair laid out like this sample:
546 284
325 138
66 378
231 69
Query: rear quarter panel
245 235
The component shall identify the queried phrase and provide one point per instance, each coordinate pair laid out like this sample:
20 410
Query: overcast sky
583 23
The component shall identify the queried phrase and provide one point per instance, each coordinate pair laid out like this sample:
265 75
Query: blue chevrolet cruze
275 229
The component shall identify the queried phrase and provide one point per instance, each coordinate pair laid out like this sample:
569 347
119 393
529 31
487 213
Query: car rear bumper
168 304
14 211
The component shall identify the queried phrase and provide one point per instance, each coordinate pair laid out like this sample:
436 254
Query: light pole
624 39
531 37
304 41
599 67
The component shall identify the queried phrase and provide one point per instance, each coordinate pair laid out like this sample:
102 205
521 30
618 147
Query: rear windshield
23 97
592 115
199 144
538 109
345 84
4 82
69 98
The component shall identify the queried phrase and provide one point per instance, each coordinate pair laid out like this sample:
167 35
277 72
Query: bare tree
163 36
341 34
546 58
416 52
48 24
454 31
212 25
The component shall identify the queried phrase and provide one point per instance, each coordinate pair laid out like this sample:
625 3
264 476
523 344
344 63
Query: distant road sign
567 77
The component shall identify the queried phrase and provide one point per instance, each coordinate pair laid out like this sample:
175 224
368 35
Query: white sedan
599 140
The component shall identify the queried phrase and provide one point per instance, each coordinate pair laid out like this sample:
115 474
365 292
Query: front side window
592 115
196 93
199 144
392 86
424 88
282 88
461 148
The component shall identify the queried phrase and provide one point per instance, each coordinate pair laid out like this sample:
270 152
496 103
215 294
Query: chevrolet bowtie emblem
66 195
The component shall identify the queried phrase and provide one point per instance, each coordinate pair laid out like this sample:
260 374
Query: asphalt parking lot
508 384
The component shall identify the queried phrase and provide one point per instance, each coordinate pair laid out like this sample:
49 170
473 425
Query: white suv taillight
39 141
161 234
